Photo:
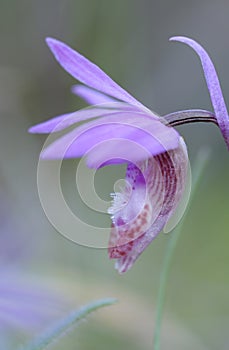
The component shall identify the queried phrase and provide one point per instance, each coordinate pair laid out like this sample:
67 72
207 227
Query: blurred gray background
129 40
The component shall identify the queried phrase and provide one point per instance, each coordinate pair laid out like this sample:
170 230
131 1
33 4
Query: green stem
201 161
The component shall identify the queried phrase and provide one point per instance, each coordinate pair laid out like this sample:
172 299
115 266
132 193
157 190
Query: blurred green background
129 40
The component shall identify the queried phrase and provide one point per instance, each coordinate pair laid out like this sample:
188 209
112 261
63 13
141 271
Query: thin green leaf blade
66 324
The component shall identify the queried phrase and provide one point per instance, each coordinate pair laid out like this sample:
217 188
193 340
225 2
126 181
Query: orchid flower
120 129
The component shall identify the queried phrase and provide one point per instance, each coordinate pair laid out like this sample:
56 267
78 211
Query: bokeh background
39 267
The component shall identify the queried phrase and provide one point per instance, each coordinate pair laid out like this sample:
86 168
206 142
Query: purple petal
87 72
65 120
91 96
117 151
151 196
24 304
150 133
213 85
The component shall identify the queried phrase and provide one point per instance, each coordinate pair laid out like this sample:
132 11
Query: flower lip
165 178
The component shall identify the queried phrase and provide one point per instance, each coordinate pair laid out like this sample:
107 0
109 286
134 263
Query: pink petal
65 120
142 129
87 72
91 96
213 85
118 151
146 204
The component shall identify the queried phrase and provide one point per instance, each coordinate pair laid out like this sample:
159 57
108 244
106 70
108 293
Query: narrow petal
91 96
140 212
213 85
143 130
87 72
63 121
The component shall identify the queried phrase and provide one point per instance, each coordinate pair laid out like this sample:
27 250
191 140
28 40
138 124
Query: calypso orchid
119 129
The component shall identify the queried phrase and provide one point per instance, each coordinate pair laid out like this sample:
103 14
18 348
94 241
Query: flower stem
201 161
